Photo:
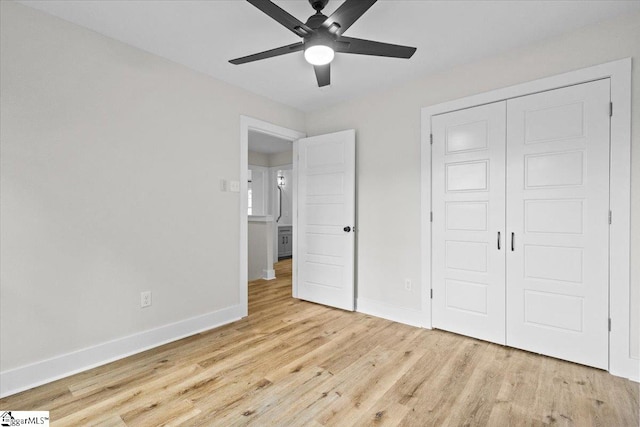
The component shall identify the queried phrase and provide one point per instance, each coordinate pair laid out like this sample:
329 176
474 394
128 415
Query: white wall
259 177
287 195
111 159
260 248
265 194
281 159
264 167
111 162
274 159
388 151
258 159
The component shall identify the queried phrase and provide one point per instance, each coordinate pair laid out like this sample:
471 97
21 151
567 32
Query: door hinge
609 217
611 109
431 216
431 293
609 324
431 138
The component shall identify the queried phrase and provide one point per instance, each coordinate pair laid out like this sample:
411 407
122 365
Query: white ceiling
204 35
267 144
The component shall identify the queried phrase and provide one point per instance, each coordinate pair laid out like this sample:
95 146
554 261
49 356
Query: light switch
234 186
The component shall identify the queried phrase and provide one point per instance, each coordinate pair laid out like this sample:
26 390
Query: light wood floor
293 363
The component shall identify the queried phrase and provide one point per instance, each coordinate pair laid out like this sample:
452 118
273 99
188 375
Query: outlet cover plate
145 299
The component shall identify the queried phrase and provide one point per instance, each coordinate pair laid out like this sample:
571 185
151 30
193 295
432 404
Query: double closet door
520 231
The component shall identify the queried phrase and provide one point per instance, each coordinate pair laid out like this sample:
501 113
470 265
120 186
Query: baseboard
25 377
628 368
268 274
392 312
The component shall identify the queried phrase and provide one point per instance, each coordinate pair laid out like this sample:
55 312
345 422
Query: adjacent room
314 212
269 203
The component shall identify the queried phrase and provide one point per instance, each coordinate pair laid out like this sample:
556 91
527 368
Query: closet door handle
513 242
498 240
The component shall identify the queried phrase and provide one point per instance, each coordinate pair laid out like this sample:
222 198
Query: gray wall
275 159
110 167
258 159
388 155
111 162
258 249
281 159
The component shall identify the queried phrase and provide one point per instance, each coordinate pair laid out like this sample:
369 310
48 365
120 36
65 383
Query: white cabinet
520 235
285 243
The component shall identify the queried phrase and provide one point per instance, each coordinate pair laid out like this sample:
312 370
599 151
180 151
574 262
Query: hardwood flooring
294 363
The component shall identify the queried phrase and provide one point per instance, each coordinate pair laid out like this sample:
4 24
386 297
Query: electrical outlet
407 284
145 299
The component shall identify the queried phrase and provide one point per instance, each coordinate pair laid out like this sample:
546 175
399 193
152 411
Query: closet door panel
468 190
557 210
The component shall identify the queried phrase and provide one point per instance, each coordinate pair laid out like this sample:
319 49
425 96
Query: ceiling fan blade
347 14
369 47
283 17
295 47
323 74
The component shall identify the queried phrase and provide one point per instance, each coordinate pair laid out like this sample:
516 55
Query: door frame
246 124
619 72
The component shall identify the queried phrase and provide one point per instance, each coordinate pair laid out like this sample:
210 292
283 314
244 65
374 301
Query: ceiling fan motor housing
320 38
316 21
318 5
323 37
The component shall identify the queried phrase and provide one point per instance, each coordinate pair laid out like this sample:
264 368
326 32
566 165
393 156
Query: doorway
269 203
273 141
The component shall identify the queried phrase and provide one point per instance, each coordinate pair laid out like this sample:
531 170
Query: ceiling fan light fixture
323 36
319 54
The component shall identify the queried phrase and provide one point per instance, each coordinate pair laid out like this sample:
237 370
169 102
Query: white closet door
557 210
468 190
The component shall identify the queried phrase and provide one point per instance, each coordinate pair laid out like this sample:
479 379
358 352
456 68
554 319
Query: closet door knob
347 229
498 240
513 242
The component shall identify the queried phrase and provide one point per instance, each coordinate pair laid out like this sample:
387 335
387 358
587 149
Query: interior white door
325 232
468 202
557 214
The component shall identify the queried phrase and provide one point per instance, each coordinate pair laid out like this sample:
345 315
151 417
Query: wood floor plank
472 406
165 413
366 392
294 363
115 421
259 409
93 412
301 408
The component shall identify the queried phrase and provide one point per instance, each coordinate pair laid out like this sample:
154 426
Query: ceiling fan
322 36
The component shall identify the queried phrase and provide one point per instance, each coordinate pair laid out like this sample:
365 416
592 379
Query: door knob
347 229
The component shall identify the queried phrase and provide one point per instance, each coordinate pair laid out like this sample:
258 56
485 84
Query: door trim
619 72
249 123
